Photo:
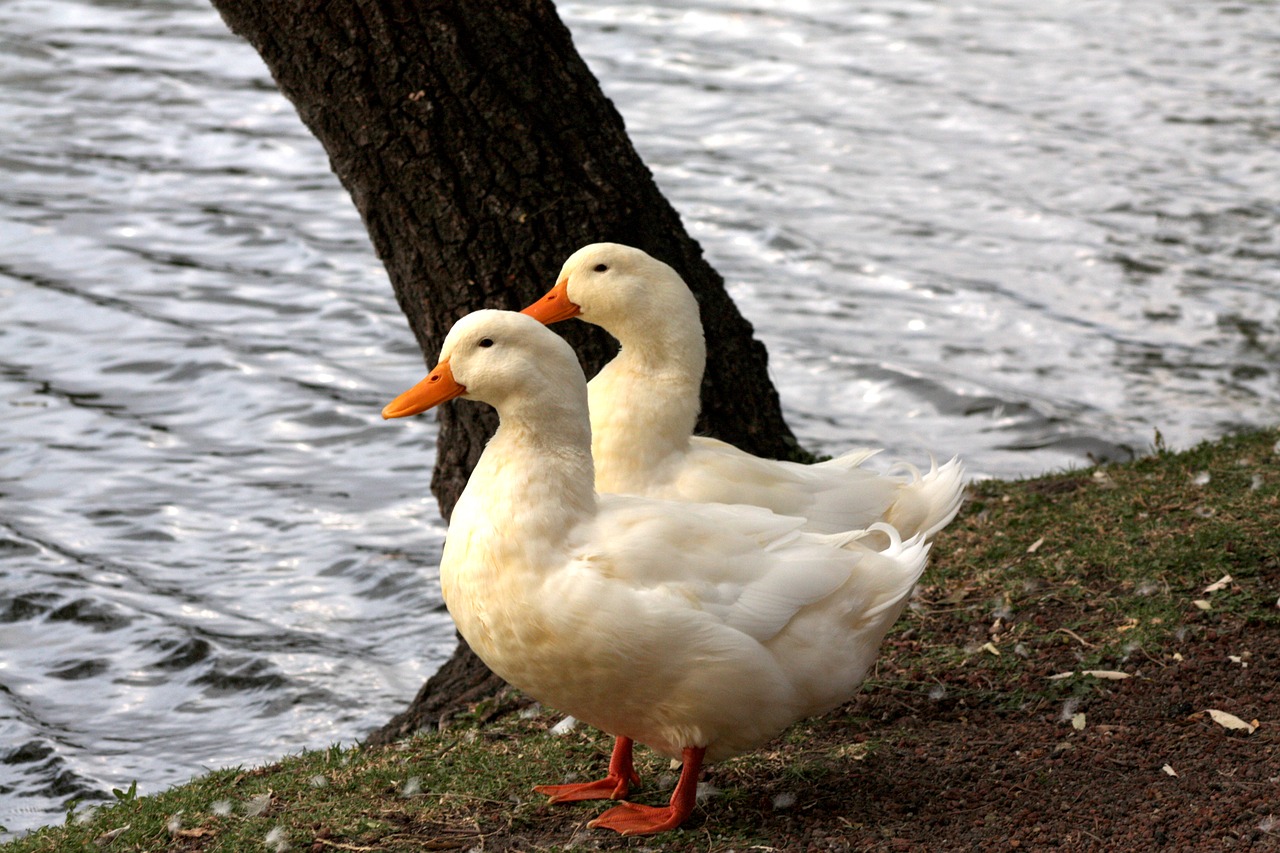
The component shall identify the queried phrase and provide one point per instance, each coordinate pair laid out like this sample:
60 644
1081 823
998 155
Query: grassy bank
980 722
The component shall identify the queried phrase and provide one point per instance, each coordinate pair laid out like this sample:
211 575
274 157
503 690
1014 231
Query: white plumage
645 402
697 629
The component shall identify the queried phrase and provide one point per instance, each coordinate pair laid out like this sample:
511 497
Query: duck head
501 358
616 287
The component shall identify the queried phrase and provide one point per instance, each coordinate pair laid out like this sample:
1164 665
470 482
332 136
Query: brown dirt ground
964 763
952 777
962 740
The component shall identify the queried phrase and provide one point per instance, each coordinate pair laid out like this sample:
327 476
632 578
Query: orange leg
632 819
622 775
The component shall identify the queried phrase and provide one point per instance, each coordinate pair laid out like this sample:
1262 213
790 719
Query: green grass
1141 540
1098 568
1123 553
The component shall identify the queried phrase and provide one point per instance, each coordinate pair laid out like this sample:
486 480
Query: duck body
669 624
644 406
701 631
641 448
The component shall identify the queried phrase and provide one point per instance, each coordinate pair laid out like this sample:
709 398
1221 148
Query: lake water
1030 234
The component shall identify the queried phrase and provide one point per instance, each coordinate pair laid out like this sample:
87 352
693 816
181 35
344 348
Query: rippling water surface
1025 233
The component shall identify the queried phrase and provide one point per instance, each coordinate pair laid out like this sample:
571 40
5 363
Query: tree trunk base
463 681
481 152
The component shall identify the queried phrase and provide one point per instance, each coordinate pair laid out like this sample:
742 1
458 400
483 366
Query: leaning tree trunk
481 152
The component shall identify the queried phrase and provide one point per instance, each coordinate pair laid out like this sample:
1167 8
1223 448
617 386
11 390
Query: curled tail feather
931 500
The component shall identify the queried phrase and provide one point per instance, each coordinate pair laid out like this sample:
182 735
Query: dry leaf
565 726
107 837
257 805
1103 479
1110 674
1035 546
1231 721
990 647
1202 604
1061 676
1077 722
1169 769
1221 583
195 832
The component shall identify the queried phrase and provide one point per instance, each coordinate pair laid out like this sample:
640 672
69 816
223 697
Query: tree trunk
481 152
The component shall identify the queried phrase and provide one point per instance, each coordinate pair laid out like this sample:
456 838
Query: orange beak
438 387
555 306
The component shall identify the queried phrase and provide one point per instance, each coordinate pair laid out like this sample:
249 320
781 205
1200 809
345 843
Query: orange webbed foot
607 788
634 819
615 786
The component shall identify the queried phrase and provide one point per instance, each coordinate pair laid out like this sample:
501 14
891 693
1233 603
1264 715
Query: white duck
645 402
701 630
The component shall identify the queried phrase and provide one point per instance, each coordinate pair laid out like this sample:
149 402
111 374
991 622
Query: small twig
1098 752
340 846
1155 661
475 798
440 752
419 844
1077 637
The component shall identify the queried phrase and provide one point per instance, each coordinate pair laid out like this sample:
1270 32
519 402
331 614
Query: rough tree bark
481 152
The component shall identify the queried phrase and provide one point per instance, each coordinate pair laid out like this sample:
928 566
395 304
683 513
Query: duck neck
537 471
514 523
645 402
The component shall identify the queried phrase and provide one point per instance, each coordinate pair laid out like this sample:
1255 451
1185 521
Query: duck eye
487 342
602 267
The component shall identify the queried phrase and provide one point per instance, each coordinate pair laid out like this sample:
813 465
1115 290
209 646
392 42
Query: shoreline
1039 582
